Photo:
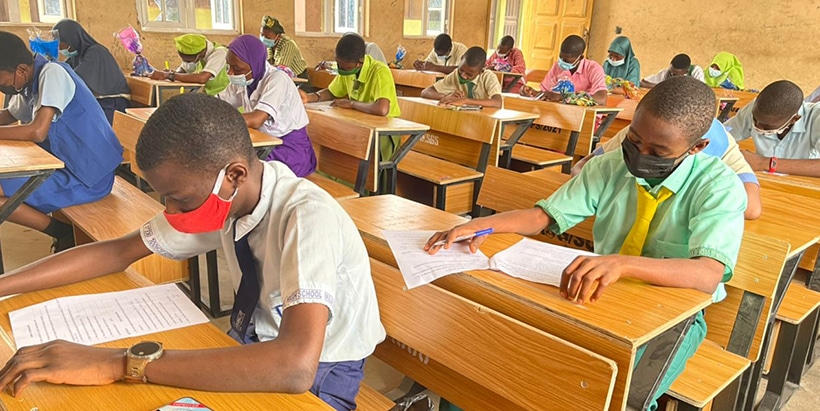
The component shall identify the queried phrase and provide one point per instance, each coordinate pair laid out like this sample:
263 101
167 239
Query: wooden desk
320 78
613 327
23 159
299 80
136 397
743 98
153 93
410 83
383 127
504 75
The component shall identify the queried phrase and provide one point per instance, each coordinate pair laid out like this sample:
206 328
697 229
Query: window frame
330 16
187 19
67 9
425 29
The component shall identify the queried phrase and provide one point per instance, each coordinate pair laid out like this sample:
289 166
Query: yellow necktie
647 206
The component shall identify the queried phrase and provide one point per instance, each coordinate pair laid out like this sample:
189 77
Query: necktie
248 294
470 86
647 206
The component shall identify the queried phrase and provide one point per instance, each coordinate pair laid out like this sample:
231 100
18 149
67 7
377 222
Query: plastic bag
400 53
564 86
44 42
629 88
418 402
727 84
130 39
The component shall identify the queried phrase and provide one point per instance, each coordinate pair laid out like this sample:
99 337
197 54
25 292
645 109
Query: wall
772 39
103 17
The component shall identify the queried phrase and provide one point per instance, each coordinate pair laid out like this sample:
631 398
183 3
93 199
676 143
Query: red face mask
210 216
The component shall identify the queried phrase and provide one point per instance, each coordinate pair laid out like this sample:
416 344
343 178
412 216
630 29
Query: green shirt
704 218
374 81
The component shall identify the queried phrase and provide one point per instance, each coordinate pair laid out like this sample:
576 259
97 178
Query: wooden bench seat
336 189
709 372
343 151
369 399
539 158
122 212
435 170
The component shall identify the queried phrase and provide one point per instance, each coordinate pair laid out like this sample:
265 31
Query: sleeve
735 160
312 230
717 223
447 85
490 61
597 78
337 87
162 239
20 109
613 143
634 74
491 85
89 64
740 126
56 89
385 87
272 96
658 77
286 54
432 57
576 200
459 50
518 63
551 79
216 61
697 74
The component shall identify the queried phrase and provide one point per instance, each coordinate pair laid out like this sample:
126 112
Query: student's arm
597 84
6 117
647 84
431 93
441 69
321 95
36 131
247 368
809 168
524 222
600 97
754 207
494 102
75 265
200 78
255 119
576 169
380 107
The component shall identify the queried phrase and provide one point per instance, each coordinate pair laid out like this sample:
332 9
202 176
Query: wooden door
546 23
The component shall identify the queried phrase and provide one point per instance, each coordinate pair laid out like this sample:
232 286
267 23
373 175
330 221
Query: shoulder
592 66
712 174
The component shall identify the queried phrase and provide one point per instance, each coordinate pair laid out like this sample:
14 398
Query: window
329 17
504 20
426 18
186 15
34 11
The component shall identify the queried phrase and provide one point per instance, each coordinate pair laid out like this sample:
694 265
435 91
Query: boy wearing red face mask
305 306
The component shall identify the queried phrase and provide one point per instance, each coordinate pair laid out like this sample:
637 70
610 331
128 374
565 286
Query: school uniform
287 53
814 96
702 218
215 63
374 82
483 87
453 59
515 60
695 71
721 145
589 76
373 50
305 250
79 136
277 96
800 143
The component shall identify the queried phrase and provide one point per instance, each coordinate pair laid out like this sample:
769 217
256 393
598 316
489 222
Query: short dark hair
681 62
781 98
195 131
475 56
14 52
508 41
350 48
573 45
684 102
443 42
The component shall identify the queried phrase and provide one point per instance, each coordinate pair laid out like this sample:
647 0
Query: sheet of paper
318 106
535 261
419 268
97 318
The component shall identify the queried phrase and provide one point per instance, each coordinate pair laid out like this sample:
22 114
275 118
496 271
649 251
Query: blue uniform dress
79 136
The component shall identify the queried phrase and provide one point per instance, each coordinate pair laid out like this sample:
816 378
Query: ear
699 146
237 173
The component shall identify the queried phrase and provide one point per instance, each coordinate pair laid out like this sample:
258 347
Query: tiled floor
22 246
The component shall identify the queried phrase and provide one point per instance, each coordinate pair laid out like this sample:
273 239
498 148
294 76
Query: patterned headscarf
272 23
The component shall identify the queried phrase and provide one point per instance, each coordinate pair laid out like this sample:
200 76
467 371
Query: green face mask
350 72
462 80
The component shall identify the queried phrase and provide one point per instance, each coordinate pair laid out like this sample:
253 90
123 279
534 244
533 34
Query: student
363 84
312 320
445 56
470 84
269 102
721 145
725 66
282 50
585 74
814 97
203 62
621 61
371 49
507 55
96 66
693 204
681 66
785 130
59 113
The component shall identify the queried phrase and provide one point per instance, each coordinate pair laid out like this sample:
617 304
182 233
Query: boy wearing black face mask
664 213
59 113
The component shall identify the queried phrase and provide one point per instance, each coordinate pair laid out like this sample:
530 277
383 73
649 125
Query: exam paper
319 106
535 261
98 318
419 268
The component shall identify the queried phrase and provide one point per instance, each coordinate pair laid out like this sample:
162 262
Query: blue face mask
239 80
567 66
69 54
267 42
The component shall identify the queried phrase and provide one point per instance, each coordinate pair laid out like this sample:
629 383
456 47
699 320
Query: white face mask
189 67
616 63
501 55
775 132
240 80
713 72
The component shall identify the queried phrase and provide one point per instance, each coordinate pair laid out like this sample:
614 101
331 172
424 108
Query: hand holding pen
457 234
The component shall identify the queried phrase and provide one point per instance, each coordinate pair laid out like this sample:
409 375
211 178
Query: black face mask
648 166
11 90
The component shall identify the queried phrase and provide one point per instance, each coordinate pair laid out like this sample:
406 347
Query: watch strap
773 164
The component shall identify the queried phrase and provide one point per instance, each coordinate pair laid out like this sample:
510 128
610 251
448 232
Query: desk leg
264 152
19 197
506 150
608 120
813 280
193 281
392 165
653 365
571 144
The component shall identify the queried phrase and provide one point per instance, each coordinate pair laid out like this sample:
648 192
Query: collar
800 125
675 181
367 69
247 223
39 63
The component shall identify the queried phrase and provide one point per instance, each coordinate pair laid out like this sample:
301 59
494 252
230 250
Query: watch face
145 348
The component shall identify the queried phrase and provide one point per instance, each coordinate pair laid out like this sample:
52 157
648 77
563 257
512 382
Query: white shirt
276 95
56 90
800 143
697 74
213 62
307 250
373 50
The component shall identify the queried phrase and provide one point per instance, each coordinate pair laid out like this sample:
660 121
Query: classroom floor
22 246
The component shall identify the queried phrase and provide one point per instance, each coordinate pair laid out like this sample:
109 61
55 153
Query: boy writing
510 59
444 57
470 84
586 75
681 66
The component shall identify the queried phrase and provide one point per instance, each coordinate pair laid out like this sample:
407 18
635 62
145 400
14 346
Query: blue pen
466 237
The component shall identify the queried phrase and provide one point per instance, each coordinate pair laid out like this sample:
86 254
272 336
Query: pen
182 90
167 66
478 233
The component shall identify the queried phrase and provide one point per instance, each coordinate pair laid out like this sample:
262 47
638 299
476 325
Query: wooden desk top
788 217
378 124
415 78
136 397
161 83
628 106
616 315
500 114
298 80
17 156
258 138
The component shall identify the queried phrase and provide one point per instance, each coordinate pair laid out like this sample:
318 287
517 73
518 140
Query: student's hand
303 96
456 232
342 103
528 91
62 362
159 75
453 98
551 96
756 161
420 65
581 276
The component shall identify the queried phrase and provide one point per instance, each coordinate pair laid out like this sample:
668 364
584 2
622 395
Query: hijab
730 68
250 49
631 67
93 62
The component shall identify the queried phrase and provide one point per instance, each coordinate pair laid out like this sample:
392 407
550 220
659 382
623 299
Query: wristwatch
773 164
172 75
137 357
